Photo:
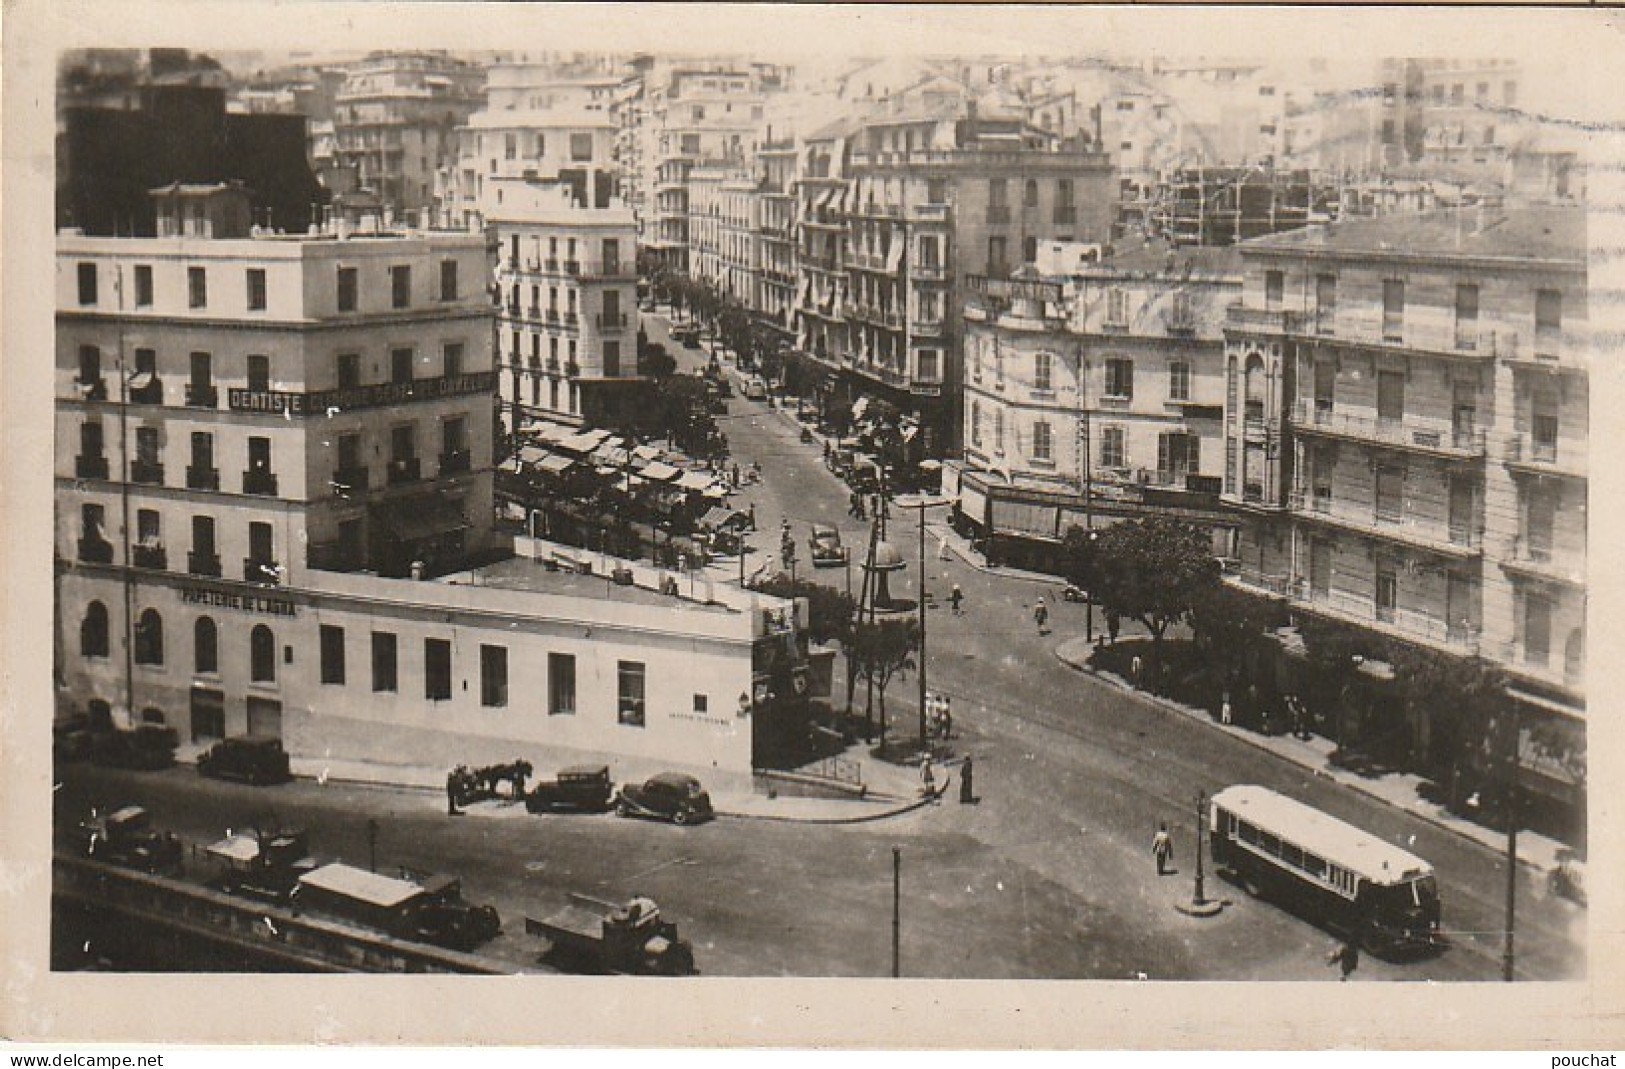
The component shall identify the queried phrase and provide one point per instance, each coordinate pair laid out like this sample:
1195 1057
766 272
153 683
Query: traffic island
1207 907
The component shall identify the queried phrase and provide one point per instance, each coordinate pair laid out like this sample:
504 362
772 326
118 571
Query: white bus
1366 889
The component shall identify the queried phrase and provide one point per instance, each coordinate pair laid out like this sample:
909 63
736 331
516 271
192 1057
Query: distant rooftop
1543 233
521 573
1156 256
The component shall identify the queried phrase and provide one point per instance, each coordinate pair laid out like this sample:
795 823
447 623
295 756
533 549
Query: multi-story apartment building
256 435
774 299
567 325
564 144
1407 420
822 192
722 239
694 114
935 197
1094 398
395 122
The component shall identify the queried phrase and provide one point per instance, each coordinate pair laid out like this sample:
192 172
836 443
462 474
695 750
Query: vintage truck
126 837
262 865
425 909
594 936
580 788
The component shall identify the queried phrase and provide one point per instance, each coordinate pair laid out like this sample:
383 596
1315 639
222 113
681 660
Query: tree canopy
830 611
1153 570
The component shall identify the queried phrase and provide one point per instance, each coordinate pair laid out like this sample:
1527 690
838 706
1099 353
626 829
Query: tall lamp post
921 502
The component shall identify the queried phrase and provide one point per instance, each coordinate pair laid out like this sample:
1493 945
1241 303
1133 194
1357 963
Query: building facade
273 483
395 122
1407 426
1095 398
567 325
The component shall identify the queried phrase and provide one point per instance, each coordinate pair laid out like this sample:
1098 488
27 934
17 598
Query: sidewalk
891 789
1396 788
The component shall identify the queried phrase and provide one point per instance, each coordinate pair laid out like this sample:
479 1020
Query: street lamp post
921 502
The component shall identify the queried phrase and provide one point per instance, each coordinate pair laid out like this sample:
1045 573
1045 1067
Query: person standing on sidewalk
1162 848
956 600
1041 615
967 790
945 716
928 777
453 779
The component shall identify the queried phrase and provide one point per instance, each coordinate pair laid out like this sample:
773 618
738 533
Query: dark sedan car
255 759
668 796
584 788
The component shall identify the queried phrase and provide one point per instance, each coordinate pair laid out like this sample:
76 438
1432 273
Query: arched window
149 638
93 631
262 655
1255 387
205 646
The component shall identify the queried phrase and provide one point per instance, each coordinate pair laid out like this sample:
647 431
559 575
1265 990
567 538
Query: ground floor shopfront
387 670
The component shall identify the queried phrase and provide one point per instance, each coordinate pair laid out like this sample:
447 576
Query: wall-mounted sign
265 604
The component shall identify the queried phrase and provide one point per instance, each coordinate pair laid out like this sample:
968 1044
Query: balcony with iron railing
1266 320
1457 540
606 270
1522 452
263 572
150 555
205 564
455 462
95 551
927 272
149 472
1541 558
1257 580
928 213
259 481
202 395
85 467
351 480
1436 437
92 390
146 389
611 323
202 478
1405 622
1539 665
404 470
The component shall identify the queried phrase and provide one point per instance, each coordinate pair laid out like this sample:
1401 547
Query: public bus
1366 890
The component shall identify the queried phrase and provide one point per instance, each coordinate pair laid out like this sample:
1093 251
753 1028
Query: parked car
583 788
255 759
148 746
827 550
126 837
755 388
669 796
688 336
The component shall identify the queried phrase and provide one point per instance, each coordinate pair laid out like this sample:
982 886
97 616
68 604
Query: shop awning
415 519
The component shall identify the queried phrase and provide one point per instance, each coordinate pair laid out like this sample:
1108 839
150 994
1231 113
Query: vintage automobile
827 550
264 866
582 788
593 936
254 759
755 388
126 837
429 909
689 336
669 796
148 746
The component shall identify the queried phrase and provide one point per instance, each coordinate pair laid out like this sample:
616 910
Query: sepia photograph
584 496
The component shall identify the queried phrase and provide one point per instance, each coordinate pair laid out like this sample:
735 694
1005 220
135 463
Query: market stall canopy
533 454
553 434
720 517
646 452
693 480
659 471
554 464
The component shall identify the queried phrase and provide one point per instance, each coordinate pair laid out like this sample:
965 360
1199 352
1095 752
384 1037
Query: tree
1465 702
1152 570
654 361
830 612
1229 626
881 649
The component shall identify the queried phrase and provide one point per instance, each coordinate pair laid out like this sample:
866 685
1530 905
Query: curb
1113 680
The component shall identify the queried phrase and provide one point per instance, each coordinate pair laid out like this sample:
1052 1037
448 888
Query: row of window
260 566
580 147
1548 306
148 645
1178 452
1119 374
201 392
998 193
197 285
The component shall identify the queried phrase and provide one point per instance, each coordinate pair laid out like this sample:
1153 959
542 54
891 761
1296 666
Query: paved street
1050 876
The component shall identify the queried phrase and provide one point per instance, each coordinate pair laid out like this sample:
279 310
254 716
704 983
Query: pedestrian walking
1346 956
1162 848
753 515
1135 666
1041 615
947 717
928 776
942 547
453 781
1224 709
1113 623
967 790
956 600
